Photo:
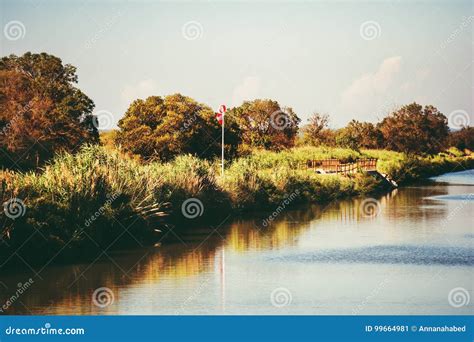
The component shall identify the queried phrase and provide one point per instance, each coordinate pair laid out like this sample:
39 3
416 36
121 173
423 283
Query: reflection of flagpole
222 271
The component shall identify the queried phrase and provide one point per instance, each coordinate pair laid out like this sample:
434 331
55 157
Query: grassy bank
100 199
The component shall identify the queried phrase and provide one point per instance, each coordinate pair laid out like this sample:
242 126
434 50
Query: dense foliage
165 127
462 139
265 124
41 111
414 129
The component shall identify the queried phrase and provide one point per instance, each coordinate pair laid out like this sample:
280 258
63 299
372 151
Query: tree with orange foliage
41 111
415 129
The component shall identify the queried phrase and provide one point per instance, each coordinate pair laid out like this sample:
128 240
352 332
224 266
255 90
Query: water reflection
192 268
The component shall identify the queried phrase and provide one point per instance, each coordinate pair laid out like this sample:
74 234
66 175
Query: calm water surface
405 258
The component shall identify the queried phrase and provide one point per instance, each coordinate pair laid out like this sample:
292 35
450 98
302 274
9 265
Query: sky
349 59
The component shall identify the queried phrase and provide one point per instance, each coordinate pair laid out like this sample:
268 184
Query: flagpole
222 157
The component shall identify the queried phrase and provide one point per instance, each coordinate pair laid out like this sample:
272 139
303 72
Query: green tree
317 131
164 127
345 138
41 111
414 129
265 124
362 134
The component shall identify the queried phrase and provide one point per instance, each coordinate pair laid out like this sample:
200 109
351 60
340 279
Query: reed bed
101 198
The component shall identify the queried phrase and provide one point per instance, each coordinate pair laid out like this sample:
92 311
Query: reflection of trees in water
413 204
406 203
68 289
252 235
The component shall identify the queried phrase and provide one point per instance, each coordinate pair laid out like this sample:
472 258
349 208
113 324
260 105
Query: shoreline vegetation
100 198
71 191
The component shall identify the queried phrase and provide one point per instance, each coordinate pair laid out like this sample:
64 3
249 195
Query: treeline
411 129
42 112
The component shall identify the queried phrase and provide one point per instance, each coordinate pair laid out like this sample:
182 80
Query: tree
462 139
414 129
345 138
164 127
360 135
41 111
317 131
264 124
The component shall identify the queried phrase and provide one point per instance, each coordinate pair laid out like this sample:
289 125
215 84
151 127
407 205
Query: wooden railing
335 166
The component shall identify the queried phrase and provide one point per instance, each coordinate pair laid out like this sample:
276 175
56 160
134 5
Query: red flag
220 115
219 118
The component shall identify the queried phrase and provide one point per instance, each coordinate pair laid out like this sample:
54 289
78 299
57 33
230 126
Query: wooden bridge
335 166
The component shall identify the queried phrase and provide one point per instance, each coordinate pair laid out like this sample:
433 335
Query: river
407 252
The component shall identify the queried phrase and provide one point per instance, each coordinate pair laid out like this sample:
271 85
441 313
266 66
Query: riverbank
413 238
100 199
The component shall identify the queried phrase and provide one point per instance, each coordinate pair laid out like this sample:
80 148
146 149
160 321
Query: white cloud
364 96
248 89
141 90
